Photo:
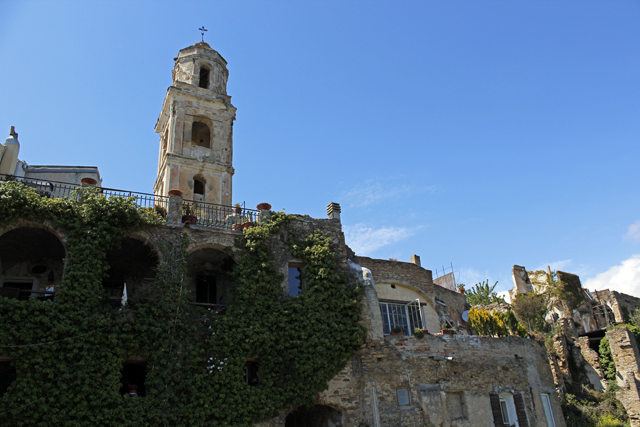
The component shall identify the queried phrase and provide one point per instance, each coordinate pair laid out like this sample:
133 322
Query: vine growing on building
68 354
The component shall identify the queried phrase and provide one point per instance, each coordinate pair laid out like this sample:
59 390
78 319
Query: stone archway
318 416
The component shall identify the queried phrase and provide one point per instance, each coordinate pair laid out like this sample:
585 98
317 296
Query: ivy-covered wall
68 353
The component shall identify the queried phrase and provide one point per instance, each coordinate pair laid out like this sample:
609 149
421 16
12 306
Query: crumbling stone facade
626 356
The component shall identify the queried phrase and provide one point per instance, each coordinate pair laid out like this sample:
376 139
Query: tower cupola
201 66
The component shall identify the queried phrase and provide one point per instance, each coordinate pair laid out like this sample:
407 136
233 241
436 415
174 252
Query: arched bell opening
199 187
209 282
200 135
318 416
31 263
134 264
204 77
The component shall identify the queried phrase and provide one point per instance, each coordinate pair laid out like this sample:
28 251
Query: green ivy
69 353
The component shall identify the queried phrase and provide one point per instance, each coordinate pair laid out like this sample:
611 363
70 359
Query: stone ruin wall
626 356
442 392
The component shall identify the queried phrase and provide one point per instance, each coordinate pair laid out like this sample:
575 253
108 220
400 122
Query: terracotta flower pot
191 219
426 331
397 333
175 193
264 207
446 331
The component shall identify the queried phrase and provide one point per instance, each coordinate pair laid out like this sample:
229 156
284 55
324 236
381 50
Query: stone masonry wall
626 356
412 275
448 377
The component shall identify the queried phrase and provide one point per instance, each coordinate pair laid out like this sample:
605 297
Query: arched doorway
318 416
31 263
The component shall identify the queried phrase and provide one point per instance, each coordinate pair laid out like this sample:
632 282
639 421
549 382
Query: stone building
446 378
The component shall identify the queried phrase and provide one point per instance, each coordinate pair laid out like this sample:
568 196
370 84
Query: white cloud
470 277
505 295
556 265
623 278
364 240
372 192
634 231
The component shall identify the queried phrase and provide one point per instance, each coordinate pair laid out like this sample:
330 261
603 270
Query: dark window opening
16 290
7 376
132 380
198 186
296 284
204 77
206 290
133 264
200 134
318 416
251 373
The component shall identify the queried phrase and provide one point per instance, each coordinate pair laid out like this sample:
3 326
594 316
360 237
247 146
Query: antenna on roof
202 30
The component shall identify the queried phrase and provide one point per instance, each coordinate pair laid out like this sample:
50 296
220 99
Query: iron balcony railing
57 189
211 215
196 213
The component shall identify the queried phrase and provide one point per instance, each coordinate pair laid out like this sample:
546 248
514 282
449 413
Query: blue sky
479 133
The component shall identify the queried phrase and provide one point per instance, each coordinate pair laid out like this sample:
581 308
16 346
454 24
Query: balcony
173 209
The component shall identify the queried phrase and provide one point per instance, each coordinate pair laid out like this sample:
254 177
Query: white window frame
506 401
402 312
546 404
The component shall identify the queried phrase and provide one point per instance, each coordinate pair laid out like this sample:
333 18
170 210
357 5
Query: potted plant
189 213
446 330
237 209
417 332
133 390
397 331
160 210
264 207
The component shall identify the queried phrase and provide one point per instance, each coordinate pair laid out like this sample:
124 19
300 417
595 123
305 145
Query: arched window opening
200 135
133 264
31 263
208 270
318 416
204 77
198 186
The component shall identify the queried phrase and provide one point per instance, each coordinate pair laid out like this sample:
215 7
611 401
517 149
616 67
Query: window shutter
520 412
495 410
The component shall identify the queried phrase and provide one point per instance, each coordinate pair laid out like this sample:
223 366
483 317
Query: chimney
333 211
415 259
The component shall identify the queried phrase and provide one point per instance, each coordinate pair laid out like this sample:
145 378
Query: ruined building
447 377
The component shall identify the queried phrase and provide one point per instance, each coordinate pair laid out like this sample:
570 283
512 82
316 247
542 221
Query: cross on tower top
202 30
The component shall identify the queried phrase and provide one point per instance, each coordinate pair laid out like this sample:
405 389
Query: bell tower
196 129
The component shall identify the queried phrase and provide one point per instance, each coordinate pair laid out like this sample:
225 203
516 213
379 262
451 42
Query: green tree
483 294
531 309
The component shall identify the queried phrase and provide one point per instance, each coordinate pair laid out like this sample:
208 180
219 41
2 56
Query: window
206 290
204 77
16 289
403 396
505 411
296 284
200 134
198 186
406 316
7 376
546 404
132 380
251 372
